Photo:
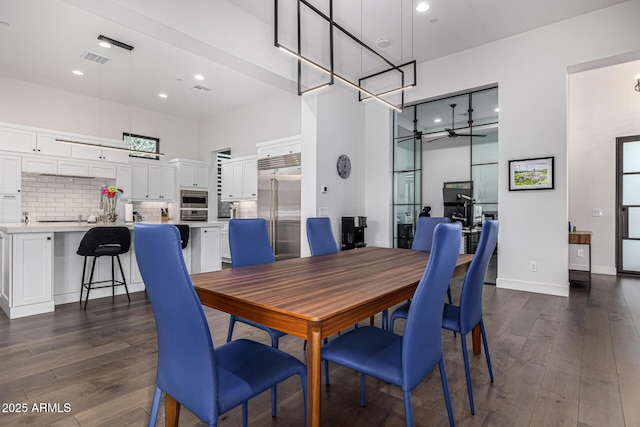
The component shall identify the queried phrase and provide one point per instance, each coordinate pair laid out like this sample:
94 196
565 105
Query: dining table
315 297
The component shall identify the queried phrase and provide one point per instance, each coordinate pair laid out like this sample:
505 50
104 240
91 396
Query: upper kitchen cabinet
239 179
191 173
100 152
279 147
10 174
25 140
152 182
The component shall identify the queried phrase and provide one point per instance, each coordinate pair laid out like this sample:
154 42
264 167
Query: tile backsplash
59 199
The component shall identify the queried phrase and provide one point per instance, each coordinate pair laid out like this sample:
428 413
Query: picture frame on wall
531 174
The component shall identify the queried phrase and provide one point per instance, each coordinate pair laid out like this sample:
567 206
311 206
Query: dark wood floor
557 361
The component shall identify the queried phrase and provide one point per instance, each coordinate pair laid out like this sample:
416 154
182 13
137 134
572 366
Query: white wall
531 71
240 129
340 124
40 106
443 161
602 106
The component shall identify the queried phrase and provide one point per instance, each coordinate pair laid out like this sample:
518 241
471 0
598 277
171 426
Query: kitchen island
39 267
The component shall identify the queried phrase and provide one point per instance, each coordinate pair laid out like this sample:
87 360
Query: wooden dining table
315 297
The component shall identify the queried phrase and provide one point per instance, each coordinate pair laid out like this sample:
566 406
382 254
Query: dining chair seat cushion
105 250
368 349
247 368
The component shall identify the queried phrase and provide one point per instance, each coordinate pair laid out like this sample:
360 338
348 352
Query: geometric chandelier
327 49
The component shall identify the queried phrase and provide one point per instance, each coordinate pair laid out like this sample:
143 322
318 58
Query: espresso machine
353 232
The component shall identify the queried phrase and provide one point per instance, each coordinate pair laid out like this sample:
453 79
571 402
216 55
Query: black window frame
140 155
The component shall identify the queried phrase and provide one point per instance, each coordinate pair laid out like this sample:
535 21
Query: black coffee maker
353 232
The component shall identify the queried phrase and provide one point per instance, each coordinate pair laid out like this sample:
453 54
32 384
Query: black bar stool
104 241
184 234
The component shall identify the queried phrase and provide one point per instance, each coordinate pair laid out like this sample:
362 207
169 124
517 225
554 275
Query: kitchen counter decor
109 202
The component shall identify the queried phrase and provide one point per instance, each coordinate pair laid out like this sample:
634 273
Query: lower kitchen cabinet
27 274
205 249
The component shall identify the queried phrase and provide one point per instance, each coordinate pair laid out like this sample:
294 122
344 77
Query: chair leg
303 380
124 280
113 280
467 371
363 389
326 372
486 348
408 410
245 413
93 267
154 407
449 295
232 322
84 271
445 390
385 320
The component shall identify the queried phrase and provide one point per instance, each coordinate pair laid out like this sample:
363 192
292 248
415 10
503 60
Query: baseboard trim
539 288
603 269
96 293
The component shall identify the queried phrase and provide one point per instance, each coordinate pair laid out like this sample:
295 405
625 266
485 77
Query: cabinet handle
38 150
48 238
205 231
18 190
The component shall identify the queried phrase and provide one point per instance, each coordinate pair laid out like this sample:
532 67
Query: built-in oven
194 205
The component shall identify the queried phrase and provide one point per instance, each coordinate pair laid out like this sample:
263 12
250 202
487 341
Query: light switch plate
596 212
323 211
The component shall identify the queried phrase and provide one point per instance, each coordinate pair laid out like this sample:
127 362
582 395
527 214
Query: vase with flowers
109 202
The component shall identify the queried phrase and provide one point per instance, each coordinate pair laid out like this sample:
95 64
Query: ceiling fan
451 133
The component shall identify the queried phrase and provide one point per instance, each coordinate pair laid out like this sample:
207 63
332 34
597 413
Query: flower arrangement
109 201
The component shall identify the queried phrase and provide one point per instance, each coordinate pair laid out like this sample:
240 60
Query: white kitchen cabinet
224 243
20 140
5 272
99 153
205 249
73 168
102 170
191 173
27 274
153 182
46 143
239 179
10 174
279 147
39 164
10 188
124 180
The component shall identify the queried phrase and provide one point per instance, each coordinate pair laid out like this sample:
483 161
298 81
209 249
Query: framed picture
531 174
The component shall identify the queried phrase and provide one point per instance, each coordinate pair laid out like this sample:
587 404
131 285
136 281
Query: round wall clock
344 166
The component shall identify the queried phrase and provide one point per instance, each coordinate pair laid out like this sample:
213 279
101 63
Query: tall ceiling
230 43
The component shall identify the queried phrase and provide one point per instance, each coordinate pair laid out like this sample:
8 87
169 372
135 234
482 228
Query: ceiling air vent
200 88
94 57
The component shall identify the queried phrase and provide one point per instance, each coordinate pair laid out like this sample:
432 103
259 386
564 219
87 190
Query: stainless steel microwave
193 199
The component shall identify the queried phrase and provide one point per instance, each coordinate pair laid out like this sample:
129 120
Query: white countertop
58 227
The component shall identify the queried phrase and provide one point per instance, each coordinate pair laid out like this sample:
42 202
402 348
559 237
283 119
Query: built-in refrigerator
279 202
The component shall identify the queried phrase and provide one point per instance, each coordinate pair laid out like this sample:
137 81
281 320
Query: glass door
628 205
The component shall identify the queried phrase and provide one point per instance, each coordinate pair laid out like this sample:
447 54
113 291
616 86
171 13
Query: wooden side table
581 238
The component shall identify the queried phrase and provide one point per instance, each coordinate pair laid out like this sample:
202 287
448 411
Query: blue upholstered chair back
186 359
424 232
422 342
320 236
249 242
471 294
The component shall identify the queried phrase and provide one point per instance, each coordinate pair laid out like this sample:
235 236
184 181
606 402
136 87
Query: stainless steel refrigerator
279 202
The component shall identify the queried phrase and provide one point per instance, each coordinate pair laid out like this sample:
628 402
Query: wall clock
344 166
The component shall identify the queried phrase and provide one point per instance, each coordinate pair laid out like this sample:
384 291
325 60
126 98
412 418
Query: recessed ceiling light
383 42
496 110
437 120
199 77
104 44
78 73
163 95
422 7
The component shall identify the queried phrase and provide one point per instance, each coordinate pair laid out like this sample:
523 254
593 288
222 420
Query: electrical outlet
596 212
533 266
580 252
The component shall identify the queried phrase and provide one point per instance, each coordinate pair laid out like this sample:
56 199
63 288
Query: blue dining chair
207 381
406 360
320 236
468 314
249 245
422 241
